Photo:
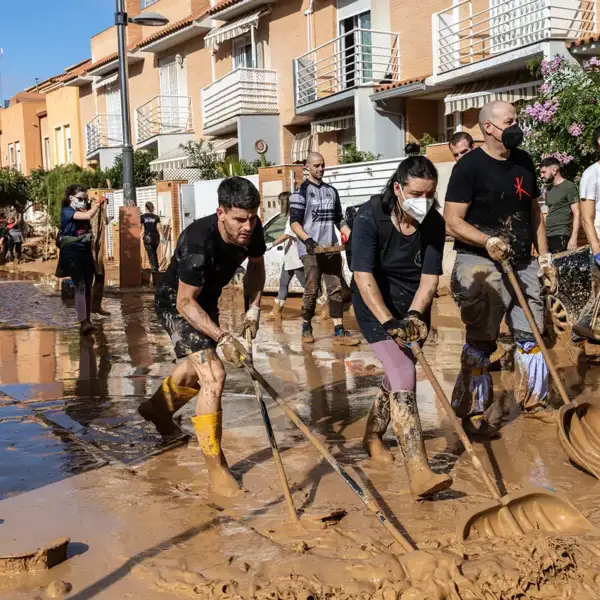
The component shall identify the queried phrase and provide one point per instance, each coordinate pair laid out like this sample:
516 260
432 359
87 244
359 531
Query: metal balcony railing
462 36
103 131
164 114
361 57
243 91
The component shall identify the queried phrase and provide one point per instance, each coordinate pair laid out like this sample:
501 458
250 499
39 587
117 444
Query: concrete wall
63 109
376 133
251 128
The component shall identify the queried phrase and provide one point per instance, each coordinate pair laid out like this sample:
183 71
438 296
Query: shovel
297 421
518 513
578 421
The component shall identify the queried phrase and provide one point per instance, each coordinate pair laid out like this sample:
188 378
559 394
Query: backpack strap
385 226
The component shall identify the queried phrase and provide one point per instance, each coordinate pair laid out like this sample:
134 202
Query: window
11 156
18 155
242 53
67 130
46 156
451 123
59 145
275 228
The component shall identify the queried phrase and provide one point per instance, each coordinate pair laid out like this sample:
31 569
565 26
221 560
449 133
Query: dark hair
550 161
149 206
459 136
71 190
596 137
412 148
284 202
238 192
416 167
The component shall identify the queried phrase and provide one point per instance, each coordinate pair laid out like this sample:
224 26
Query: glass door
355 52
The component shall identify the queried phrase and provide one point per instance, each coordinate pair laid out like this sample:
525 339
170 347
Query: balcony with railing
244 91
361 57
463 35
103 131
164 115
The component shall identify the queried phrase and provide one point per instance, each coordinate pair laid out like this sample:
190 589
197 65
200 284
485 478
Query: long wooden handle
369 503
489 484
506 266
289 501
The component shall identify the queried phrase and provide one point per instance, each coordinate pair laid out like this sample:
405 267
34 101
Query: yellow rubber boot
164 403
209 430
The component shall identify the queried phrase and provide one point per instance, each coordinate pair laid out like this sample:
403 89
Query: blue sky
42 37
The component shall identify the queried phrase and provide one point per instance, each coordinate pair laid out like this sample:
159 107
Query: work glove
233 351
597 258
311 245
411 328
251 320
547 273
498 249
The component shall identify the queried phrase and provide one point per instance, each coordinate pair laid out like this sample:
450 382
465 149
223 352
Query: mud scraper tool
578 421
297 421
518 513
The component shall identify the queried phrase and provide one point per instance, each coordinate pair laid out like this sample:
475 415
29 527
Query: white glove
547 272
251 321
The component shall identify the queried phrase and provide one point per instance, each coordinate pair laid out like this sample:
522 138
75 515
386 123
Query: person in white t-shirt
589 196
292 265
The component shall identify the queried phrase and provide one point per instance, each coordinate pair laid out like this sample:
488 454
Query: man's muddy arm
254 280
194 314
541 241
588 215
576 224
456 226
371 294
424 296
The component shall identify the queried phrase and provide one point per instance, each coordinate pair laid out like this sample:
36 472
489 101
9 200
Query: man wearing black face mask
492 210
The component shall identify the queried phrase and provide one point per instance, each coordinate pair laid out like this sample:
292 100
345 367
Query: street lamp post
130 260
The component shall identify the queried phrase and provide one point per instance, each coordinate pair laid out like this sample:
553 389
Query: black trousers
151 245
557 243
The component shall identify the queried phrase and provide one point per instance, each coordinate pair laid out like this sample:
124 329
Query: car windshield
275 228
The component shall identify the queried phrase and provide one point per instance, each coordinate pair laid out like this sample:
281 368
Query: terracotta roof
590 39
171 28
397 84
102 61
219 6
82 68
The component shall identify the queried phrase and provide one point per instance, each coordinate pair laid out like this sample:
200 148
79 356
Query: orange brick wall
421 118
329 147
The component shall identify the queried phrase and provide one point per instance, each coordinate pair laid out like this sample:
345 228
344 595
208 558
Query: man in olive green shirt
562 199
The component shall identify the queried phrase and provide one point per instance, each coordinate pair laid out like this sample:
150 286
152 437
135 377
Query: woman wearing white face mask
397 246
75 242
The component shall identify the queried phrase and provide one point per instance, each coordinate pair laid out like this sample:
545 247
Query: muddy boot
209 430
407 427
377 424
86 328
307 334
276 313
342 337
166 401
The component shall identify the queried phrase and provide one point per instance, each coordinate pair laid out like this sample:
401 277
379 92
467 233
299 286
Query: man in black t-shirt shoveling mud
492 210
208 254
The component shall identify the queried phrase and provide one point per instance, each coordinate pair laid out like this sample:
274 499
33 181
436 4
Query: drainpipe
308 14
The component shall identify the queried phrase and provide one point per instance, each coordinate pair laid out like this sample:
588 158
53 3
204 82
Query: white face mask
77 204
417 208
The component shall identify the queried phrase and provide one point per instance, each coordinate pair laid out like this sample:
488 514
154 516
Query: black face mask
512 137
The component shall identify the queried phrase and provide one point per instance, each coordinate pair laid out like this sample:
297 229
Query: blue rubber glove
597 258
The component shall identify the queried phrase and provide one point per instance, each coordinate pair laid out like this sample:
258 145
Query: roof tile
590 39
169 29
397 84
222 5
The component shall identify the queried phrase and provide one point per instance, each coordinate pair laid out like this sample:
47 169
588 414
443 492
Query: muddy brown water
147 527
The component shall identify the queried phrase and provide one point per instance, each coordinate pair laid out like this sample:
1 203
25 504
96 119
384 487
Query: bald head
494 118
315 163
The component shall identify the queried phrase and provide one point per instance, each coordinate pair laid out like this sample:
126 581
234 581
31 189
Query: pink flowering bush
561 120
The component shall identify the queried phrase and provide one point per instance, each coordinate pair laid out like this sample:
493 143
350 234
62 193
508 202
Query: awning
106 81
174 159
232 29
301 146
332 124
221 145
475 95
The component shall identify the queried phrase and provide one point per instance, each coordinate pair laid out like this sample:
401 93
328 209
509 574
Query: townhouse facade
282 77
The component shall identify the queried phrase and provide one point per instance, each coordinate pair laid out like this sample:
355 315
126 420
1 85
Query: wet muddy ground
77 461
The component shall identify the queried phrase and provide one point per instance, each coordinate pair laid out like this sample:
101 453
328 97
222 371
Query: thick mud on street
78 462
